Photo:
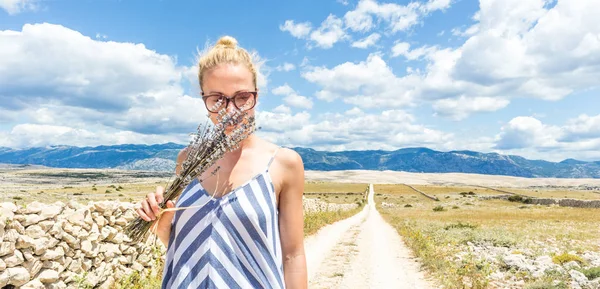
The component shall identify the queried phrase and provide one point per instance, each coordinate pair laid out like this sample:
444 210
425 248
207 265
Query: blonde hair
226 51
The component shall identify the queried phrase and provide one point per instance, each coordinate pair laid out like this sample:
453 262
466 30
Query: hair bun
227 41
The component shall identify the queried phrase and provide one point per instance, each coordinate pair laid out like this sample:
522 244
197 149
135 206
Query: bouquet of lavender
209 144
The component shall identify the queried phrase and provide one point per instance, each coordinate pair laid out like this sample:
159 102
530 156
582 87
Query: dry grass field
464 241
556 193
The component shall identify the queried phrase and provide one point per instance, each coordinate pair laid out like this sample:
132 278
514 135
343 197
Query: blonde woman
248 230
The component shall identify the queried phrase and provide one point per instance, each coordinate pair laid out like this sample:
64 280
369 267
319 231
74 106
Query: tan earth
396 177
362 252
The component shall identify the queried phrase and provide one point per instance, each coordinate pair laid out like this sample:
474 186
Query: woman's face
228 80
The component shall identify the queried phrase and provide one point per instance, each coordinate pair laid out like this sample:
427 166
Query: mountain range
161 157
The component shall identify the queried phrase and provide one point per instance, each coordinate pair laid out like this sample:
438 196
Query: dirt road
361 252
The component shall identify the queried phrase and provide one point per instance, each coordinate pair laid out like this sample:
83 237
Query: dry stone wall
74 245
70 245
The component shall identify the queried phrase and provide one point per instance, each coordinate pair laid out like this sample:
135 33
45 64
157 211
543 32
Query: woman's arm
291 220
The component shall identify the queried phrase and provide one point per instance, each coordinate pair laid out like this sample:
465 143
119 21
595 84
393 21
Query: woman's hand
149 211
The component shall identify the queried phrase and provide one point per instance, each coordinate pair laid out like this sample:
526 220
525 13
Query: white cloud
388 130
282 109
367 41
530 137
286 67
369 83
532 50
460 108
403 48
46 62
524 132
355 111
298 101
57 79
581 128
39 135
282 90
298 30
330 32
13 7
101 36
399 17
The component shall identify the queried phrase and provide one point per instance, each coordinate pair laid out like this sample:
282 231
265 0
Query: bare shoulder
290 159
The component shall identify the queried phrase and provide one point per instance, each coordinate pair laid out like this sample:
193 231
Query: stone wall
70 245
546 201
315 205
73 245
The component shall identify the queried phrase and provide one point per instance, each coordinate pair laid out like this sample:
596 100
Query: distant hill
161 157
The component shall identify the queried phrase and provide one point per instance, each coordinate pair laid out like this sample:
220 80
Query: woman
248 230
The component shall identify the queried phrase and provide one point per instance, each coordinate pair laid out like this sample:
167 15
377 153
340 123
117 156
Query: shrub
565 258
591 273
515 198
438 209
78 194
455 207
408 206
460 225
107 192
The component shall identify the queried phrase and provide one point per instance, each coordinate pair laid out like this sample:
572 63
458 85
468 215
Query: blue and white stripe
228 242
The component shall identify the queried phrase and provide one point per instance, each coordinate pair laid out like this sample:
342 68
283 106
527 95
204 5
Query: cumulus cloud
13 7
39 135
368 41
286 67
525 135
369 83
398 17
534 50
330 32
298 30
389 130
56 78
292 98
460 108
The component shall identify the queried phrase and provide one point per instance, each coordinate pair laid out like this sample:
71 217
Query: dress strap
272 158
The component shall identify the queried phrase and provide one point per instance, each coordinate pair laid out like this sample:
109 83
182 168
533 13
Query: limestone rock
58 285
34 207
6 248
35 231
34 284
27 220
48 276
51 211
33 266
46 225
578 277
53 254
14 260
24 241
2 265
17 276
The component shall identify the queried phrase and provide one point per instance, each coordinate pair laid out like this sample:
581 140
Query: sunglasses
243 100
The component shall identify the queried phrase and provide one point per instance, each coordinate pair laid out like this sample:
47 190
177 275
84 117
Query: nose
229 105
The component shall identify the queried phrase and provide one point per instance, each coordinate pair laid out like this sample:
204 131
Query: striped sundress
227 242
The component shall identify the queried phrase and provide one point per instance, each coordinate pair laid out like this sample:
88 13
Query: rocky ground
512 267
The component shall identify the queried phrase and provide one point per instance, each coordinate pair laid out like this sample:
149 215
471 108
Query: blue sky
506 76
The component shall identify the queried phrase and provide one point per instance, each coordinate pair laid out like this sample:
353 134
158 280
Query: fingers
148 210
152 201
160 194
143 215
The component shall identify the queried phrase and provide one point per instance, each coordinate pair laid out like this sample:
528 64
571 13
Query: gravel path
363 251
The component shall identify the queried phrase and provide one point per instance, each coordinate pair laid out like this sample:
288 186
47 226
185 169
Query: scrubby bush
438 209
566 258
